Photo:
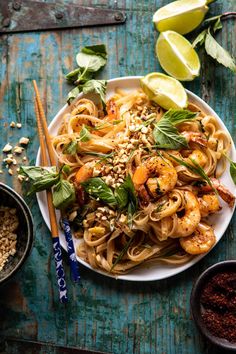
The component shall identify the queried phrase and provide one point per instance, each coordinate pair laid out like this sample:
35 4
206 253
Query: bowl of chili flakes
213 304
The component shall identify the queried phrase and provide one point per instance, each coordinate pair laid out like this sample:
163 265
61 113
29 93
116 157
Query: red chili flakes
219 306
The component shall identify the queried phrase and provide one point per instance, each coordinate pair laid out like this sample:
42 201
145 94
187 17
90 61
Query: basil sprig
232 168
126 198
98 189
123 197
90 60
195 168
42 178
212 47
165 133
233 171
63 194
71 148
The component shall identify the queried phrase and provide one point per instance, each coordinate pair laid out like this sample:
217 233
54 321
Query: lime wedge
177 56
181 16
164 90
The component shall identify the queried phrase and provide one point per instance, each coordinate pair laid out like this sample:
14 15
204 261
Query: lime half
164 90
177 56
181 16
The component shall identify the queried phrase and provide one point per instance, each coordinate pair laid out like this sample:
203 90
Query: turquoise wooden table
103 314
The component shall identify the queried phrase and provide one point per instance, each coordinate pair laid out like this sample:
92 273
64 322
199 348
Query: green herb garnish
166 134
72 147
212 47
98 189
63 194
84 135
122 253
42 178
232 168
123 197
90 60
195 168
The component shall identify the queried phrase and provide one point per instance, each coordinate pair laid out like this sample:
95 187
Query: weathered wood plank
105 314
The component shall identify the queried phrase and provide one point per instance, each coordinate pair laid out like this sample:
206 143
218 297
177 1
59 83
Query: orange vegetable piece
83 174
140 175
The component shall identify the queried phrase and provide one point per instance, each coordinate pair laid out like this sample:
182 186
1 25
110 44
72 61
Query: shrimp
198 156
195 137
201 241
224 193
164 176
187 223
209 204
159 176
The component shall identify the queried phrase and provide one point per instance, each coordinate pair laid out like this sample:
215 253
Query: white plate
220 220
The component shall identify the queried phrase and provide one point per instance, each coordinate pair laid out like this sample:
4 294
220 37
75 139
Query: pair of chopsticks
45 144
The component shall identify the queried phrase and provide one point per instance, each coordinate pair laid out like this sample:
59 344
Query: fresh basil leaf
70 148
41 178
126 198
66 169
72 75
218 25
97 86
34 172
132 197
167 136
90 62
63 194
233 171
73 94
177 116
99 49
200 39
92 58
121 196
126 195
218 53
84 134
232 168
44 182
97 188
85 76
130 213
122 253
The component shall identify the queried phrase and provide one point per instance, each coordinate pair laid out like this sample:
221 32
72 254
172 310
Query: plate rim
180 268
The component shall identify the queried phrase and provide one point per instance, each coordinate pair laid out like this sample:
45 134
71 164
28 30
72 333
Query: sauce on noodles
169 224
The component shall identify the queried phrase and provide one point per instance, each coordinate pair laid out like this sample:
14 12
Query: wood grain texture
103 314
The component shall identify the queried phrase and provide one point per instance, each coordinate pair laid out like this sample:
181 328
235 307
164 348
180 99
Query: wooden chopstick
44 162
66 226
52 215
43 121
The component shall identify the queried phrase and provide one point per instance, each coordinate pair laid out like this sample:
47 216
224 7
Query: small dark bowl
25 234
226 266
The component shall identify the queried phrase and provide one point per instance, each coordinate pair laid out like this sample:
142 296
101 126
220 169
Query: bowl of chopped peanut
16 232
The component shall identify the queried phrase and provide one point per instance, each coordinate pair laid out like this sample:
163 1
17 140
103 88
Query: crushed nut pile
114 172
8 225
13 153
